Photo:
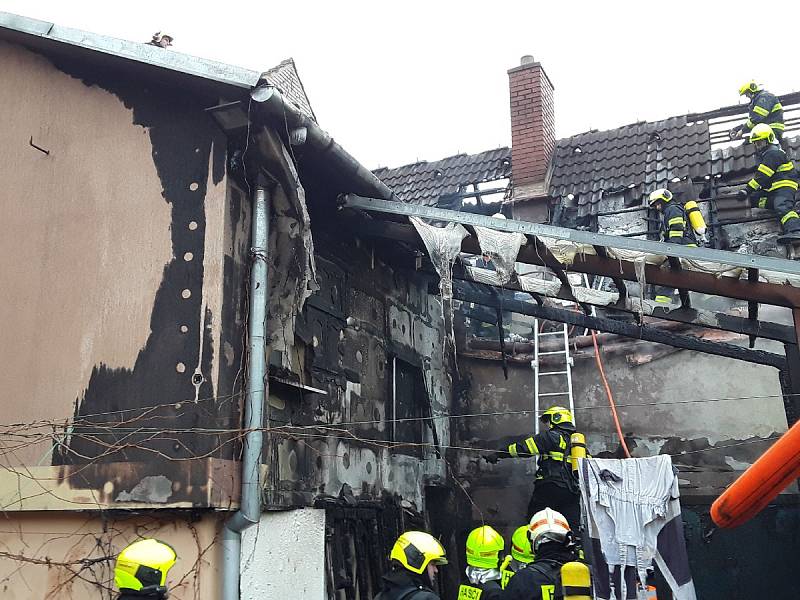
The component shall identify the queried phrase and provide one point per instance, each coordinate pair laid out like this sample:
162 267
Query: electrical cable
609 394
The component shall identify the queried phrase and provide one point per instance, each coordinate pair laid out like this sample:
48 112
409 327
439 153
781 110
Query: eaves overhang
33 32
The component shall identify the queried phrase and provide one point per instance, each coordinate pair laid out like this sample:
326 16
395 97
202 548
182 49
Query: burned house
694 380
154 207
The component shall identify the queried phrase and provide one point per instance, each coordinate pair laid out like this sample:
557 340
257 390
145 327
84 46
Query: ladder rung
555 394
550 333
552 373
554 352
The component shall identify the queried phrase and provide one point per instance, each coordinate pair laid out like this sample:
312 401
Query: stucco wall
115 256
284 556
81 549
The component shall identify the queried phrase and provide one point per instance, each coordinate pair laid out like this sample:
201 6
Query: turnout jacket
675 226
775 171
490 590
541 579
553 447
403 585
766 108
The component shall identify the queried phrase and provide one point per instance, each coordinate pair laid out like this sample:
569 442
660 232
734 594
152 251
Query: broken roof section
639 157
633 159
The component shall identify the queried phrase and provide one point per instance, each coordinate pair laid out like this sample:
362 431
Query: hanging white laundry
629 504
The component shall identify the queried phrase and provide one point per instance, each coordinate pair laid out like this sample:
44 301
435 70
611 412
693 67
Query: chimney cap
526 60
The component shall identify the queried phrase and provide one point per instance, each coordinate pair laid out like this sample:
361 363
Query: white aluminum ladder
564 373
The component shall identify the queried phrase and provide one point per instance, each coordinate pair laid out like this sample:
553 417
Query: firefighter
775 181
764 107
415 558
520 555
141 570
552 543
484 546
675 229
675 226
555 484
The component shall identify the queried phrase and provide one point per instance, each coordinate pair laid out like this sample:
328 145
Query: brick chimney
533 138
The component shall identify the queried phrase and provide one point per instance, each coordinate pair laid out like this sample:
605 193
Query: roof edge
134 51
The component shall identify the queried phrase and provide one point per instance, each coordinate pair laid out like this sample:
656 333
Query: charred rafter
649 334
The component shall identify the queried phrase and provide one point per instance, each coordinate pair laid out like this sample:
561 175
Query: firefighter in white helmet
551 574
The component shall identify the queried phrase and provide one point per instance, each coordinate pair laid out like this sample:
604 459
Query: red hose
609 394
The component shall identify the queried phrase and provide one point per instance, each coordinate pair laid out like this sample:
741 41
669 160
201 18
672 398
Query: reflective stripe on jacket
553 447
675 227
775 171
766 108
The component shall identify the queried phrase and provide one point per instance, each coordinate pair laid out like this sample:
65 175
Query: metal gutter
142 53
275 105
250 503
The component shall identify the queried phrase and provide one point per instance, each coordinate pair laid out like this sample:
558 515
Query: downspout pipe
250 503
337 158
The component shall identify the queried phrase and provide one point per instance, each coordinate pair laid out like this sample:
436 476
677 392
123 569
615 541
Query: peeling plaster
156 489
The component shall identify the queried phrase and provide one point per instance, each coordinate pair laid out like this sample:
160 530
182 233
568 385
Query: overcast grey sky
396 82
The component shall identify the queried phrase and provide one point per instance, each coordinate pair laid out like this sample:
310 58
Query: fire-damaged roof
641 156
740 160
423 182
635 158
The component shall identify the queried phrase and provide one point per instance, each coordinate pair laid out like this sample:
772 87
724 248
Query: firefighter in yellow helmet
415 558
141 570
555 484
553 544
775 182
484 546
764 108
521 555
675 229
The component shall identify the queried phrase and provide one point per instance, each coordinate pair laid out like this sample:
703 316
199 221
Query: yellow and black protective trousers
773 186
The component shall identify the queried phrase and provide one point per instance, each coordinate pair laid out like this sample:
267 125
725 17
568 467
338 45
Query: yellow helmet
660 195
416 549
762 131
484 546
751 86
143 566
521 545
557 415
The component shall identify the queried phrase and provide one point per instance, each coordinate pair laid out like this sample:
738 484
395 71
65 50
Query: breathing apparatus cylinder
696 219
577 450
576 582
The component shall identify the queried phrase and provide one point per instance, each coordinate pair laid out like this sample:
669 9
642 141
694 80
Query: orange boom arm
761 483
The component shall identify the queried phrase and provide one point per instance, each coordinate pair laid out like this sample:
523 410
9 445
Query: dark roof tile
424 182
640 153
287 80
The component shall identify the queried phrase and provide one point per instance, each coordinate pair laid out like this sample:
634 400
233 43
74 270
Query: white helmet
547 526
498 215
